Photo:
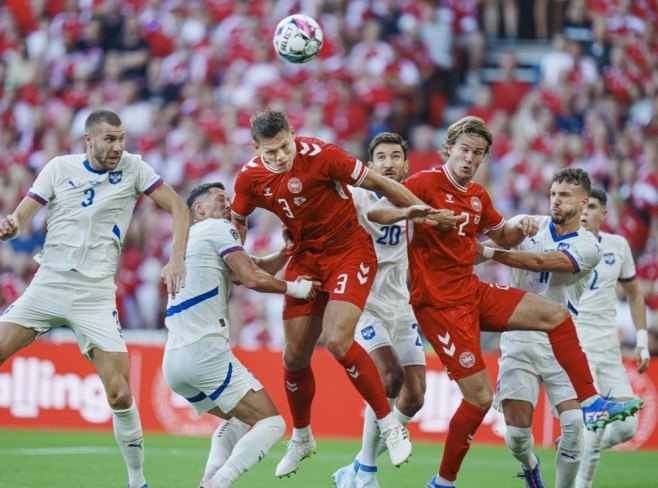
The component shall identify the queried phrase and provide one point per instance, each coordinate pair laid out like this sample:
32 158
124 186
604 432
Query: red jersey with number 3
441 263
312 199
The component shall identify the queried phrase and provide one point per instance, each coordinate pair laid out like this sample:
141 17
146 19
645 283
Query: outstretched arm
12 225
174 272
248 274
638 314
241 226
554 261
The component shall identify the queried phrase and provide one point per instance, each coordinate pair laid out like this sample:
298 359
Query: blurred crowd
185 77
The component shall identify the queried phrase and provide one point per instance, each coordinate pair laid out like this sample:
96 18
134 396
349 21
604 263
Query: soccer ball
298 38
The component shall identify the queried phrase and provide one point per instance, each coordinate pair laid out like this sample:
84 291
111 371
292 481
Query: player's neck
563 229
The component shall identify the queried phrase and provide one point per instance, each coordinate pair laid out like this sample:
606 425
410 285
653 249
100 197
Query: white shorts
207 374
523 367
609 374
67 298
399 332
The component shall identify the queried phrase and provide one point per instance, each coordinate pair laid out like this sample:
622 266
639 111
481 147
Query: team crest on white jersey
368 332
115 177
449 198
295 185
562 245
476 204
235 234
609 258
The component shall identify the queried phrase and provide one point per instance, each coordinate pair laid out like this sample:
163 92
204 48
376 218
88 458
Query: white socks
130 437
227 434
614 434
249 450
567 457
519 441
371 446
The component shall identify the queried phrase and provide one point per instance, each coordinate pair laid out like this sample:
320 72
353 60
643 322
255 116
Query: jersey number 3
91 193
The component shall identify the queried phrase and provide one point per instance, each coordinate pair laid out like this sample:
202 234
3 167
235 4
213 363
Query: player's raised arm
12 225
514 231
174 272
241 226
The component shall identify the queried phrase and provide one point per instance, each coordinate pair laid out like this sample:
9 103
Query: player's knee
337 346
571 441
483 398
295 358
119 397
518 439
557 314
411 404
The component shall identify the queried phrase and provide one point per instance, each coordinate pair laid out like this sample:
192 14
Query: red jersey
312 199
441 263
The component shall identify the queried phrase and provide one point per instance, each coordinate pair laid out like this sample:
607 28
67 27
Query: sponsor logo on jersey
476 219
115 177
467 359
368 332
295 185
609 258
562 245
450 198
267 192
476 204
299 200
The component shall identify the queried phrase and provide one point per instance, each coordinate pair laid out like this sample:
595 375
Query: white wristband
642 339
298 289
488 252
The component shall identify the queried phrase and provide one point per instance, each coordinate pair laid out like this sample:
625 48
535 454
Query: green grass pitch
34 459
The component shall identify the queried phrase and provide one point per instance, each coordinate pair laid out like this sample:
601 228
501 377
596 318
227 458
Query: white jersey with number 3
584 252
201 308
89 211
389 293
595 322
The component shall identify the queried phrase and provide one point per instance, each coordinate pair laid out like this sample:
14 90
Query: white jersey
201 308
584 252
89 211
595 322
389 293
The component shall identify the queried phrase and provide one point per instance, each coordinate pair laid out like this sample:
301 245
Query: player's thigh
94 318
371 333
454 334
609 373
407 343
46 303
348 276
113 370
304 264
519 375
14 337
339 322
254 406
498 304
535 312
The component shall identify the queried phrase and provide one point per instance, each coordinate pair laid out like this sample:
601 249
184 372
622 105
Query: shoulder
217 227
250 169
311 147
613 241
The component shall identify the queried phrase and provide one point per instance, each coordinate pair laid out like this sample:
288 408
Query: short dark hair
267 124
387 138
600 195
200 191
99 116
575 176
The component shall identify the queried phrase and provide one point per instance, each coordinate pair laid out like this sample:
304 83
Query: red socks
463 425
300 389
365 377
571 357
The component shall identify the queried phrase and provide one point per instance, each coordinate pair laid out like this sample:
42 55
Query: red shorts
346 271
454 332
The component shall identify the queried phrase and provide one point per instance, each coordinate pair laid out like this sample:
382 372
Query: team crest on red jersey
467 359
476 204
295 185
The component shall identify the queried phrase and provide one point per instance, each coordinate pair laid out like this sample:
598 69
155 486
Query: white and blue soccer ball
298 38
